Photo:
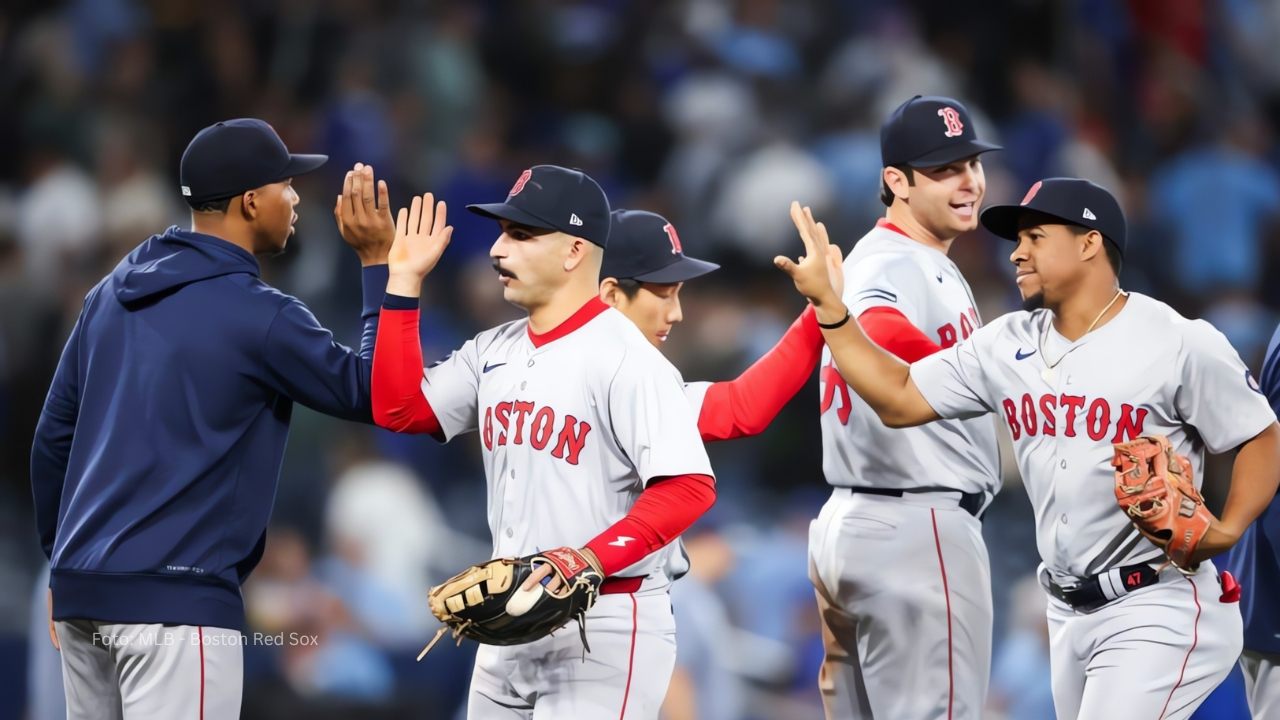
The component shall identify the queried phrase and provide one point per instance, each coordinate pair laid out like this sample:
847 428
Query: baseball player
898 564
643 271
158 451
1255 560
586 438
1085 367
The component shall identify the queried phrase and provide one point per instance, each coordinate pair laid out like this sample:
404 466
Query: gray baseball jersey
1147 371
572 426
889 269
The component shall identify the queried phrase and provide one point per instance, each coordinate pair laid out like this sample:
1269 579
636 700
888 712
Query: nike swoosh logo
621 541
1019 355
488 367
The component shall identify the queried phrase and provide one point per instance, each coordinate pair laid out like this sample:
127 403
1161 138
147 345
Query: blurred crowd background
716 113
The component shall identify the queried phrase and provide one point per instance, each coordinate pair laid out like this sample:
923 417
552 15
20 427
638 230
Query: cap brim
503 211
1003 220
686 268
302 164
952 153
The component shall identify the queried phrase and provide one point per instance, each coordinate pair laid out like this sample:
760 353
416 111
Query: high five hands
363 218
819 273
421 235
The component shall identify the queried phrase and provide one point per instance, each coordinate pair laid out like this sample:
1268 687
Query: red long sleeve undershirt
398 402
666 507
889 329
746 405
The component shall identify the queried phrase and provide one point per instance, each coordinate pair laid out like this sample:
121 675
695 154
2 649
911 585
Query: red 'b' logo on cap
951 116
524 178
670 230
1031 193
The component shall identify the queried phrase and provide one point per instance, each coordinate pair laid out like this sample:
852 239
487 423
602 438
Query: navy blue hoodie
158 452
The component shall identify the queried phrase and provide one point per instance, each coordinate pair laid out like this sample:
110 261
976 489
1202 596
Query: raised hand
421 235
365 225
817 274
835 266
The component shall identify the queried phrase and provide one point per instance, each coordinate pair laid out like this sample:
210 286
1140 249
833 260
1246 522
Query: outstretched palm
422 234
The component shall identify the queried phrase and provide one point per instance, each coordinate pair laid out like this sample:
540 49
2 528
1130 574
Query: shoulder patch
1252 382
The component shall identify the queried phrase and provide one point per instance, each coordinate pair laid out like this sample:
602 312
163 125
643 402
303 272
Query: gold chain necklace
1048 372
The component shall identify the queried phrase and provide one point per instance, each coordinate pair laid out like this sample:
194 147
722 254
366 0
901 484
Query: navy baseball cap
644 246
1071 201
928 131
235 156
555 198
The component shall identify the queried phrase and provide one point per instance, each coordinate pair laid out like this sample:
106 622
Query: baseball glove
1156 489
485 602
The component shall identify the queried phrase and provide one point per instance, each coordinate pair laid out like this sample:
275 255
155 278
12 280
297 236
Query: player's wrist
592 558
372 258
405 285
831 315
1227 531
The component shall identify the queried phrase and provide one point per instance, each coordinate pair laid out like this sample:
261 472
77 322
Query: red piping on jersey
200 630
631 659
1195 638
580 317
884 223
946 592
891 330
396 385
746 405
666 508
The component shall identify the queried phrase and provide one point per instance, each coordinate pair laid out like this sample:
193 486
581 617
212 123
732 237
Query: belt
969 502
1098 590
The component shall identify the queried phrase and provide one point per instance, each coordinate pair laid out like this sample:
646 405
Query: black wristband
834 325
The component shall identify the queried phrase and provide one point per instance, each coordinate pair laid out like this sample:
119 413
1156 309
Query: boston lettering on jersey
947 333
1099 419
520 422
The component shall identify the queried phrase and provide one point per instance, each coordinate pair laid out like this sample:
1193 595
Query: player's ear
1090 245
610 293
249 205
897 182
580 251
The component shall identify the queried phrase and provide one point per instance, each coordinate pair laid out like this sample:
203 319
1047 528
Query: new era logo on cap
574 219
1088 214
